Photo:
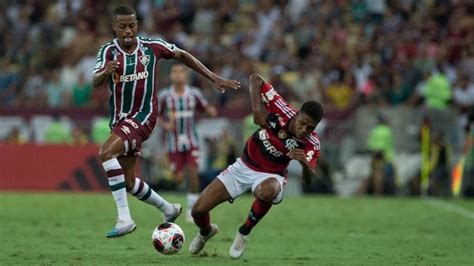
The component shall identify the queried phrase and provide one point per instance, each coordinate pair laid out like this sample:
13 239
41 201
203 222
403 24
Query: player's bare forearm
300 156
255 89
192 62
308 173
99 79
256 83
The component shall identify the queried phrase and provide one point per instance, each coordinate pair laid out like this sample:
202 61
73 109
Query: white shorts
238 178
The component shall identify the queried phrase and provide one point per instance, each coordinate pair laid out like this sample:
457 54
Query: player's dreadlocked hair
124 10
313 109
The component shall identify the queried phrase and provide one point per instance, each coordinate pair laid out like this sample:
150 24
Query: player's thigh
133 134
111 148
192 163
176 162
214 194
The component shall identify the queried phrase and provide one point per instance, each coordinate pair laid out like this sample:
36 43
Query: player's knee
268 190
105 154
198 210
267 196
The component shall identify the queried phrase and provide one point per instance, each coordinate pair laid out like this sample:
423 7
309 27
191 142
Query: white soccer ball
168 238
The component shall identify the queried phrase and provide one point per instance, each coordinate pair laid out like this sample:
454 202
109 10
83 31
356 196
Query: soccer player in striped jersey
128 65
177 105
285 134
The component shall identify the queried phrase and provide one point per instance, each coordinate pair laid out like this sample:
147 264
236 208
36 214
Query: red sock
258 210
204 223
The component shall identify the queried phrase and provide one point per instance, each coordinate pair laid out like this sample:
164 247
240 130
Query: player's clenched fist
111 66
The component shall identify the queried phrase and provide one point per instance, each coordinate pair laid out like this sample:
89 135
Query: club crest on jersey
270 94
291 144
145 59
282 134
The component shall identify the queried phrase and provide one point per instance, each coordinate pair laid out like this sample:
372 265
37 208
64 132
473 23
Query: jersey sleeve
104 55
162 104
274 103
162 49
201 101
312 151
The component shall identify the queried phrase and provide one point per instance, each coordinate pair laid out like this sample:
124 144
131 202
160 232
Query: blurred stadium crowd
365 60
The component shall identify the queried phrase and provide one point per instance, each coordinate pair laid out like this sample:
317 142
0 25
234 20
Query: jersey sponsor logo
131 122
130 77
309 155
263 135
291 144
182 114
126 130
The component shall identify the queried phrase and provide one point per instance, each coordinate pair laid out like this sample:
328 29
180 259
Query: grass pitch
70 229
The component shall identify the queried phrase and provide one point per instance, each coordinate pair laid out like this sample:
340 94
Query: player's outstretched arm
255 88
221 83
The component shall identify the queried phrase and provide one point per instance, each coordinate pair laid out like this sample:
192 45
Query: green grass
70 228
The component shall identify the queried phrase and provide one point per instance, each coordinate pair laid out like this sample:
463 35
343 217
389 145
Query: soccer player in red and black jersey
285 134
128 64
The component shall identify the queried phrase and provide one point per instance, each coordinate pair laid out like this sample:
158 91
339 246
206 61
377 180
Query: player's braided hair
313 109
124 10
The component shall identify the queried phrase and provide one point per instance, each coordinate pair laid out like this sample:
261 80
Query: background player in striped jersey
285 134
177 105
128 64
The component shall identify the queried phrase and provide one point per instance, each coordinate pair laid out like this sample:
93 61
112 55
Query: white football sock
116 180
142 191
191 198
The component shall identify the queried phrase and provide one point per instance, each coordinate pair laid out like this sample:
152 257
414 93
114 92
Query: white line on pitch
449 207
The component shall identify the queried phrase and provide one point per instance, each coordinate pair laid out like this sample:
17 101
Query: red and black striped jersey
133 84
181 109
267 149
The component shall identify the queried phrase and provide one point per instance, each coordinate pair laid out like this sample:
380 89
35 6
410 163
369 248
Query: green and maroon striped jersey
181 110
133 84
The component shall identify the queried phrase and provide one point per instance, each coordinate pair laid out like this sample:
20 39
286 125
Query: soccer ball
168 238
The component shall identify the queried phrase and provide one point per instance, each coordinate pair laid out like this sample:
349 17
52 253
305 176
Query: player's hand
259 118
298 154
169 126
212 111
223 84
111 66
